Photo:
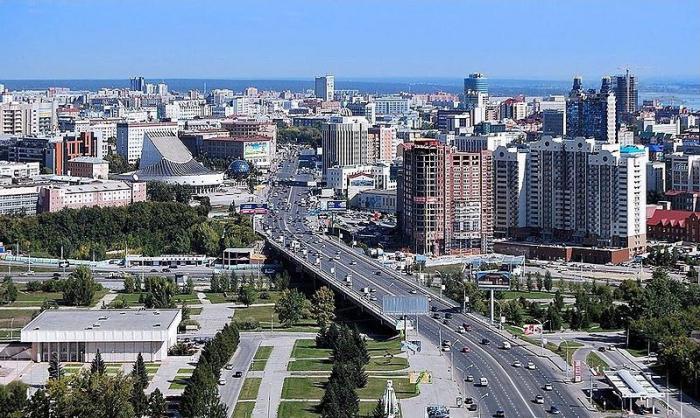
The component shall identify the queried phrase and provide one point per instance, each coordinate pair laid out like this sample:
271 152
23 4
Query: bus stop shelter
631 386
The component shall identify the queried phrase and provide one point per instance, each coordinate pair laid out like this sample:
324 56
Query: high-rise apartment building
344 141
324 87
138 84
382 143
591 114
476 91
368 110
445 199
28 118
554 122
626 95
572 190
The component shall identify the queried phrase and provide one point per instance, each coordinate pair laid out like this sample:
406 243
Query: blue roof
631 149
656 148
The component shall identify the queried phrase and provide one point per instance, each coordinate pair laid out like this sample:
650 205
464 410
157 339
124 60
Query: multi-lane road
510 389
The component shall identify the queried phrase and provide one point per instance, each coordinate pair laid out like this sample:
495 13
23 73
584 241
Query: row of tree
350 356
304 135
79 288
201 396
90 393
8 291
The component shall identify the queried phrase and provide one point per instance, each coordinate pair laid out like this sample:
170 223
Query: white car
530 365
222 381
413 291
483 382
517 364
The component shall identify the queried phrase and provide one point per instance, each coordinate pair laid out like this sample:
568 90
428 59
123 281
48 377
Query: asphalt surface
241 362
511 389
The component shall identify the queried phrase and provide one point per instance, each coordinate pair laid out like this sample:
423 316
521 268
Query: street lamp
479 403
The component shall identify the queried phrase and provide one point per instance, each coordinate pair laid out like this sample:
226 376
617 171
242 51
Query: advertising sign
253 208
362 181
532 329
577 371
493 280
252 150
336 205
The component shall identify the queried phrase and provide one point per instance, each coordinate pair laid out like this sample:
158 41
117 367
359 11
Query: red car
466 349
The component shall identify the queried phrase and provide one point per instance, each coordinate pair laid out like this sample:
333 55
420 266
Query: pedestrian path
270 393
105 301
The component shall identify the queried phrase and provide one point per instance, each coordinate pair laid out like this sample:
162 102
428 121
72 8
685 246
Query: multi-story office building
445 199
576 191
130 136
90 167
392 105
368 110
554 122
19 170
28 118
684 172
18 200
185 110
513 108
656 177
107 193
344 141
591 114
476 83
138 84
626 95
324 87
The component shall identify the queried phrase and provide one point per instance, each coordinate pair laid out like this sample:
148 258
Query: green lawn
185 371
132 299
565 349
378 348
306 348
244 410
179 382
637 352
257 366
21 317
249 391
195 311
321 365
314 387
593 360
290 409
263 352
527 295
219 298
263 314
31 299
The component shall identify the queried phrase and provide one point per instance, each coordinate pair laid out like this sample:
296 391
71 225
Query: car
469 378
433 309
222 381
472 407
413 291
154 271
554 410
352 263
500 414
460 330
377 273
373 298
485 341
238 374
372 290
517 363
446 321
229 366
337 257
446 342
548 386
436 315
166 270
539 399
445 348
468 401
530 365
467 327
448 315
483 381
466 349
601 348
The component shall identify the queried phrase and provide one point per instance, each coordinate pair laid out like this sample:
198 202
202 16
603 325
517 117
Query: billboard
532 329
336 205
405 305
577 371
253 208
493 280
252 150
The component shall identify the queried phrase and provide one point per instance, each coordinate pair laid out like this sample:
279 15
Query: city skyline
252 40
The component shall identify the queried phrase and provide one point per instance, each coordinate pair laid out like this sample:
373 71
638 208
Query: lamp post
479 402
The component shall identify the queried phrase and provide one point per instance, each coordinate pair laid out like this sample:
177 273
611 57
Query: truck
318 261
365 290
375 252
348 280
305 252
295 245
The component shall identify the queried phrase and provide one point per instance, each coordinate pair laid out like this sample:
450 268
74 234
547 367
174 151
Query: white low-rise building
120 335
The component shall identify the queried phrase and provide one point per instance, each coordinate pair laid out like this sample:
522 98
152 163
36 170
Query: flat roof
101 325
632 384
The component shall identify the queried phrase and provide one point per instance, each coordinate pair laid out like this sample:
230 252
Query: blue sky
522 39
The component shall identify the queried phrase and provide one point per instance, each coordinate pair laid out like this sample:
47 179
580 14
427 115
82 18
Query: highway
511 389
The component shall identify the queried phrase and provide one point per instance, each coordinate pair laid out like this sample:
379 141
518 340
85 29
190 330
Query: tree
139 372
80 287
188 288
554 318
290 307
528 283
156 405
138 399
97 366
13 399
8 291
247 295
323 307
55 369
539 283
378 411
160 293
548 281
281 280
234 282
39 405
129 284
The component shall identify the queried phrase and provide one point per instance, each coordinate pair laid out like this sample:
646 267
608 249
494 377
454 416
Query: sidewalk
442 390
106 300
270 393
